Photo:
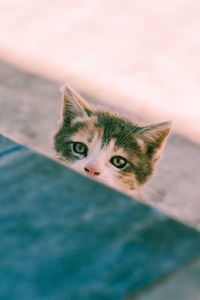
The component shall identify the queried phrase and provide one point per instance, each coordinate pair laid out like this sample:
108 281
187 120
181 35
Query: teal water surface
64 237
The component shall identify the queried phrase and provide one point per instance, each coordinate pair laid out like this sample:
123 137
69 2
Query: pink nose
92 171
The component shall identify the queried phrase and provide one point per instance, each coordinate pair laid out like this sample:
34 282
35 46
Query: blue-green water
64 237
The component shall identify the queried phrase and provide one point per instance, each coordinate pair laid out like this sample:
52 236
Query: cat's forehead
110 125
115 127
88 134
105 129
93 137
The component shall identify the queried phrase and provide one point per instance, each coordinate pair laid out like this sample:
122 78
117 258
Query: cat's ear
152 139
73 104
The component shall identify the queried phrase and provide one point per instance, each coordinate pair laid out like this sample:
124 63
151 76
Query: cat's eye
80 148
118 161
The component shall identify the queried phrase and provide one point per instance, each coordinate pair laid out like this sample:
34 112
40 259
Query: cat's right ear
73 104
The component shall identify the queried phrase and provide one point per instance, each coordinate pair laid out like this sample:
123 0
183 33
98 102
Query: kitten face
106 146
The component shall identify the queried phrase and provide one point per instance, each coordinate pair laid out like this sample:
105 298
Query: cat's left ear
73 104
152 139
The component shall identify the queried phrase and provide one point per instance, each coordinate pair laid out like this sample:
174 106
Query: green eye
80 148
118 161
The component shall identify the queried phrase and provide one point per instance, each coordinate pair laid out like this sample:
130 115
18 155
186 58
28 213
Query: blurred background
139 57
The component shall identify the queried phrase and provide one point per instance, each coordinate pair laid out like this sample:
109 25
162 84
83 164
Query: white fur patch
98 157
141 143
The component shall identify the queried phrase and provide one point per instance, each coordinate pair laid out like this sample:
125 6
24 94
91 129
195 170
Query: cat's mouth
99 178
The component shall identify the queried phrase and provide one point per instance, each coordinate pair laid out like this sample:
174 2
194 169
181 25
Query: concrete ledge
66 237
183 284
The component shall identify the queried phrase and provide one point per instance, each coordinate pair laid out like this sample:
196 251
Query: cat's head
106 146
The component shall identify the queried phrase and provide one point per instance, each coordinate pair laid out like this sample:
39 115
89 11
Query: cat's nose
92 171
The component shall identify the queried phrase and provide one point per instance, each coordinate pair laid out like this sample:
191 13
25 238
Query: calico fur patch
106 145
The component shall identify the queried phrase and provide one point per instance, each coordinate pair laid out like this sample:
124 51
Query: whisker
158 194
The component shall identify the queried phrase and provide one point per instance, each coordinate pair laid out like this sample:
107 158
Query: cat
107 146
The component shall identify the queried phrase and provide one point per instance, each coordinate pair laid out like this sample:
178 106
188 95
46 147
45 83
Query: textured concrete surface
183 285
142 56
64 236
30 108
